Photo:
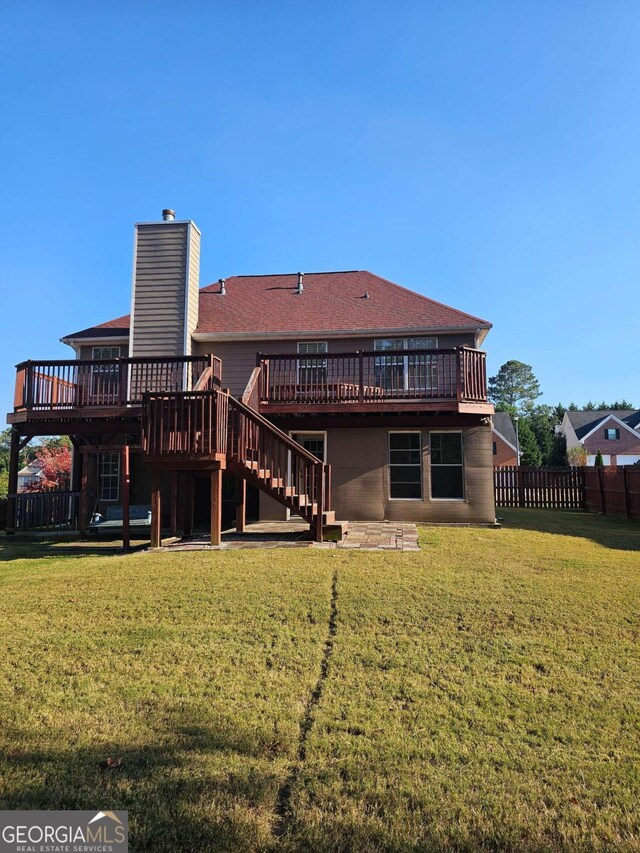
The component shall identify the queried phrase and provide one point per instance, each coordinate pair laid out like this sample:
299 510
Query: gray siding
165 292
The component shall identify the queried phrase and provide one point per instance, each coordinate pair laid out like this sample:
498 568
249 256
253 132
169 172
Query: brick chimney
164 299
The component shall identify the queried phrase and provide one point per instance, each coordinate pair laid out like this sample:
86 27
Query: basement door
314 442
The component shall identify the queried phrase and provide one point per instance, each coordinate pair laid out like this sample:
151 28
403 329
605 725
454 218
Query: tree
599 460
542 421
529 451
514 385
559 413
558 456
577 456
55 468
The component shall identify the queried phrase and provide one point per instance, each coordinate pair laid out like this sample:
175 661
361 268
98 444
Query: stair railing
298 476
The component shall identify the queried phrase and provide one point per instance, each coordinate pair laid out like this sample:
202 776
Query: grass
482 694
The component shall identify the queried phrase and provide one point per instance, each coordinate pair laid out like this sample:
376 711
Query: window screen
447 480
405 465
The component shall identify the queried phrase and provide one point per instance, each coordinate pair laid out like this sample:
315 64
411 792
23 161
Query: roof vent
168 215
366 294
223 289
300 286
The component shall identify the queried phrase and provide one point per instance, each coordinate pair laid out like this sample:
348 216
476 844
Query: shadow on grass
19 548
174 799
621 534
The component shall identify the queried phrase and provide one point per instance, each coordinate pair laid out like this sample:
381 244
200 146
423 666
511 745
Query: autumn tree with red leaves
55 467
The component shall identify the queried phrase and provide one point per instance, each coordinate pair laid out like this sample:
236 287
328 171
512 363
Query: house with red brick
505 442
615 433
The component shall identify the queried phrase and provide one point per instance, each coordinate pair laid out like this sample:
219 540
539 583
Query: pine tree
514 385
529 451
599 459
558 456
541 423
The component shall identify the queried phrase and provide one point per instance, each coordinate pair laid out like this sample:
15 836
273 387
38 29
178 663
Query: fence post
14 466
521 501
459 375
602 495
627 493
360 377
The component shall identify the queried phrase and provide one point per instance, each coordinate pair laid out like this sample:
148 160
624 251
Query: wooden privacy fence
614 491
46 510
539 488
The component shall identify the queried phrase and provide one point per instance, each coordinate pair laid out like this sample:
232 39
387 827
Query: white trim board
603 421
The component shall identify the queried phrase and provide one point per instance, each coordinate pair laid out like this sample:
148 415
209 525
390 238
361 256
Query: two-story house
615 433
334 394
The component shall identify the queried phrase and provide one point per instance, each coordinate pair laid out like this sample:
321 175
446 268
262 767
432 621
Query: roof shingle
331 302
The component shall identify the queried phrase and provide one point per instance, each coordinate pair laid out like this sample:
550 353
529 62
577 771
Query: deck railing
78 383
185 424
374 377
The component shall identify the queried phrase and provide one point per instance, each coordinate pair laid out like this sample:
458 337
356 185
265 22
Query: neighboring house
616 434
31 473
505 442
330 395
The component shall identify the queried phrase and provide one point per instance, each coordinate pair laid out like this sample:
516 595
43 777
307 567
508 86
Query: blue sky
485 154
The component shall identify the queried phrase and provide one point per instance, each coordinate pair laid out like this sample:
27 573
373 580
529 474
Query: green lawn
482 694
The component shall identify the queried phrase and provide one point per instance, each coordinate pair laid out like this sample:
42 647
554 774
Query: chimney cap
168 215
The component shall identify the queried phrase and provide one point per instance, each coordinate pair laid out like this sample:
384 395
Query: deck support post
125 465
14 467
241 504
174 503
319 519
216 506
188 486
156 509
88 486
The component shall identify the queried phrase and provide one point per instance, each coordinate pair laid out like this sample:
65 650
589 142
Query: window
447 480
314 442
611 434
109 476
405 372
103 353
104 377
495 448
312 371
405 466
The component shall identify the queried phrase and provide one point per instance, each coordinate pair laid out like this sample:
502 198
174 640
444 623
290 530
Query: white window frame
421 463
101 477
317 362
459 432
96 357
388 353
322 432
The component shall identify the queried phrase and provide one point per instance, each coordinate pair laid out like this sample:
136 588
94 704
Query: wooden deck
452 380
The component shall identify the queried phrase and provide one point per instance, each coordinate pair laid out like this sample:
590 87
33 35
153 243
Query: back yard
482 694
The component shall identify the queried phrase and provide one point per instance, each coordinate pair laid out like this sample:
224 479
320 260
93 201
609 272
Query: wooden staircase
208 429
269 459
